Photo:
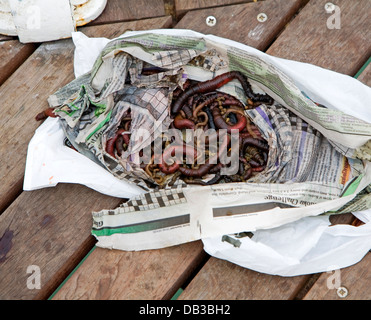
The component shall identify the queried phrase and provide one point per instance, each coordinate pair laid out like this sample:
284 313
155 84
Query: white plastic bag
306 246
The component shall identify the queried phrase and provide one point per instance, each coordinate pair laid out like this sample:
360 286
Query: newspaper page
317 161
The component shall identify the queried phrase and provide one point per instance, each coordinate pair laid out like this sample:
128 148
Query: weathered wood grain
49 228
240 23
222 280
365 76
23 95
12 55
116 275
308 39
130 10
346 218
184 6
356 279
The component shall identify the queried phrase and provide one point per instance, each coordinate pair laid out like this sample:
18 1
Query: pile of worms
199 106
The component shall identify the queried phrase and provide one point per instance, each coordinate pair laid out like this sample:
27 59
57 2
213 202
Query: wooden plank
222 280
117 275
345 218
356 279
13 54
180 262
128 10
23 95
344 50
182 7
240 23
365 76
51 227
286 46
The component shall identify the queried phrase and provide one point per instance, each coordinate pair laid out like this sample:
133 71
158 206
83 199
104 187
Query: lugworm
181 123
216 83
49 112
221 124
170 152
210 163
111 143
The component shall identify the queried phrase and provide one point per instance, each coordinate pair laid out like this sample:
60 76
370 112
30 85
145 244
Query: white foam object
45 20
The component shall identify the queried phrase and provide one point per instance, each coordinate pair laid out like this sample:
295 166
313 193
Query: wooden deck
50 228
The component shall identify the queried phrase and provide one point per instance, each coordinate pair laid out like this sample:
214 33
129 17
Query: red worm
221 124
255 164
249 141
110 146
206 167
111 143
187 110
259 159
216 83
226 97
230 100
203 87
248 173
119 145
208 100
181 123
170 152
49 112
121 139
258 169
216 168
255 131
201 171
126 137
242 159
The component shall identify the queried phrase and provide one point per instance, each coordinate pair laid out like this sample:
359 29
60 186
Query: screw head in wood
211 21
329 7
342 292
262 17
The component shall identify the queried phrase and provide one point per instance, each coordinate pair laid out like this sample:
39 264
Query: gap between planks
130 10
13 54
183 7
240 23
125 275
